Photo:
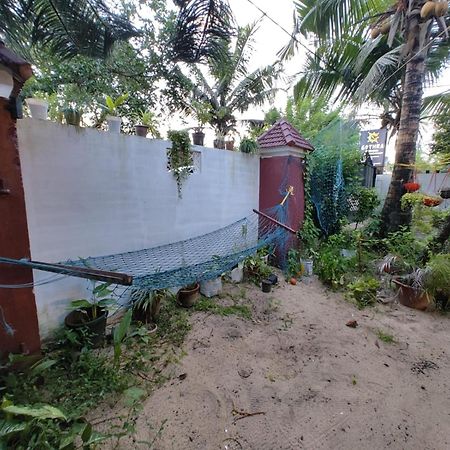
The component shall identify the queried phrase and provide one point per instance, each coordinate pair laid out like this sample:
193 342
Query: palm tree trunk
392 216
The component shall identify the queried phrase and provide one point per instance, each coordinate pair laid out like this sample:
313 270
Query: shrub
364 291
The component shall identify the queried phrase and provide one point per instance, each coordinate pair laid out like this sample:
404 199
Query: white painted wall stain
92 193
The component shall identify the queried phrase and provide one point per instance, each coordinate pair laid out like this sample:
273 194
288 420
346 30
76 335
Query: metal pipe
80 272
282 225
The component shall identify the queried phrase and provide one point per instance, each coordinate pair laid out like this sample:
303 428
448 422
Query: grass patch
385 337
210 305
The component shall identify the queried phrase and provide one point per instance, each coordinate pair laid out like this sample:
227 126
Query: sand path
316 383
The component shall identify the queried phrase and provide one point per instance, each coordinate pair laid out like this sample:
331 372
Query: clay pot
188 296
410 297
141 130
229 145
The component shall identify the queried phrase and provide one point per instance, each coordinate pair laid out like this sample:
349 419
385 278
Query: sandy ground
310 381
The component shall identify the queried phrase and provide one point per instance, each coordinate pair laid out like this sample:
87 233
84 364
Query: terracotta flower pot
412 186
410 297
188 296
229 145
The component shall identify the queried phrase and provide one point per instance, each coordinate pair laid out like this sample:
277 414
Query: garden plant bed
294 376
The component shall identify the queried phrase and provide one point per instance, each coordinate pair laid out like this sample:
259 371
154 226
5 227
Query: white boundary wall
91 193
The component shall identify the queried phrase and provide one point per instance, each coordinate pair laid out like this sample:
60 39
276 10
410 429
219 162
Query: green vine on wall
309 234
179 157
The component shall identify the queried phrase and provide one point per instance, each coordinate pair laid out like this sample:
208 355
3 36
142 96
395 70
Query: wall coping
284 150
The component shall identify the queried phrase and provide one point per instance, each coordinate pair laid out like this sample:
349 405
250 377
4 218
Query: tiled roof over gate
281 134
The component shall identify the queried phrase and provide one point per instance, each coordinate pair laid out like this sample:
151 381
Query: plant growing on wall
180 157
248 145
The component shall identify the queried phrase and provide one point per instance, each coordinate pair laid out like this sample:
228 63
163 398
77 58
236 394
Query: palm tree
88 27
228 87
65 27
388 69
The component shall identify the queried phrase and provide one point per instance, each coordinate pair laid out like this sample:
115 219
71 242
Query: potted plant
412 186
147 123
72 116
219 141
90 315
411 292
420 287
147 305
229 144
188 296
445 192
111 107
432 201
201 112
38 106
436 279
73 99
248 145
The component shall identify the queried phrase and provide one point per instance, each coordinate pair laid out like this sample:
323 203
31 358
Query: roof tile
283 133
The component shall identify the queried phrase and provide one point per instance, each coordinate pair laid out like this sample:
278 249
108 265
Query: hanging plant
179 156
432 201
411 186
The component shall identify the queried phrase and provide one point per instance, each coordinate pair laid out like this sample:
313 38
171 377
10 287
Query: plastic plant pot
38 108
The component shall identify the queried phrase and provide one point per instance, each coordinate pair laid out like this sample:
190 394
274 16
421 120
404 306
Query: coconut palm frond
66 27
254 89
289 50
380 70
201 28
434 105
328 18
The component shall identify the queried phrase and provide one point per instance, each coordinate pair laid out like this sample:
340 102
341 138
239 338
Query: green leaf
121 100
106 303
80 304
9 427
42 366
119 334
68 442
96 438
121 331
110 103
41 412
87 433
133 395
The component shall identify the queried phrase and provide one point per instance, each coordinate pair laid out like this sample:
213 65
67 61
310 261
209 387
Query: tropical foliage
65 27
233 88
379 51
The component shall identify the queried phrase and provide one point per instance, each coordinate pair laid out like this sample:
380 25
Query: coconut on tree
381 52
